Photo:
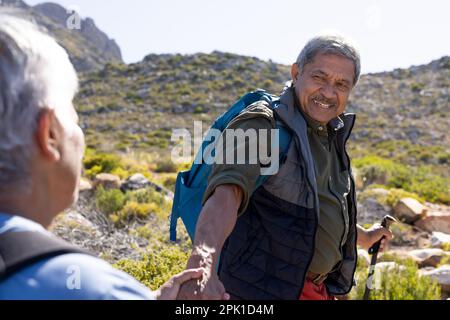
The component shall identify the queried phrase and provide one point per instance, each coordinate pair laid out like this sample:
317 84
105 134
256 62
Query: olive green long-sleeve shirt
333 185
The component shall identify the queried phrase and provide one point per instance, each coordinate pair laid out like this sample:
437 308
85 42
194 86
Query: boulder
441 275
427 257
139 181
85 189
409 210
439 239
370 210
107 181
135 182
85 185
435 221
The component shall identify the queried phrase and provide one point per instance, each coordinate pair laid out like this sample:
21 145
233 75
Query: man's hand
368 237
170 290
209 287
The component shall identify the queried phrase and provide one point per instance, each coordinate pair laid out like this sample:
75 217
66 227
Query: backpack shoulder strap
21 249
285 139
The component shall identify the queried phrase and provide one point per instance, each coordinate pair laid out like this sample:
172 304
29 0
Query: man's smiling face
324 85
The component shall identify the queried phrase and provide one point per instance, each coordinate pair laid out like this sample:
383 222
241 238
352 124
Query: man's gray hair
330 44
35 73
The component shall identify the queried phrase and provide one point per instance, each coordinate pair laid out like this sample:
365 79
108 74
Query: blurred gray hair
35 73
330 44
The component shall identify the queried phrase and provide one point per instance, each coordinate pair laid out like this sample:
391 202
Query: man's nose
328 91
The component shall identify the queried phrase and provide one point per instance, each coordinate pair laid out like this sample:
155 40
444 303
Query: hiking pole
385 223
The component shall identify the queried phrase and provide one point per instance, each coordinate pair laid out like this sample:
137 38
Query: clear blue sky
390 33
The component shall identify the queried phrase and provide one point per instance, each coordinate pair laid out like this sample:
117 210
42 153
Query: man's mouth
323 105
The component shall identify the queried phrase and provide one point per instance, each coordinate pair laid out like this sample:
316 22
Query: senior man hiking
41 148
295 236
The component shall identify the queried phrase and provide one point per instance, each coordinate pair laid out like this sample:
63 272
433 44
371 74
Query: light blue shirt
68 276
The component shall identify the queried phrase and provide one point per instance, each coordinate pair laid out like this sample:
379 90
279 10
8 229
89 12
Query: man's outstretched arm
216 222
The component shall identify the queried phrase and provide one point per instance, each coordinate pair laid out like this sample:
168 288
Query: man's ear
48 136
295 72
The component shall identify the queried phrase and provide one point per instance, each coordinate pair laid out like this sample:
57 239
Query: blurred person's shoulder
67 276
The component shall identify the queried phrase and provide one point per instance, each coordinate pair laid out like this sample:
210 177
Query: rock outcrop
88 47
435 221
107 181
427 257
441 275
138 181
439 239
409 210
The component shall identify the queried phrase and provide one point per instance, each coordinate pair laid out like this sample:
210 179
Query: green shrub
391 198
417 87
155 268
166 166
135 210
374 169
145 231
147 195
390 257
421 180
93 171
154 201
395 195
446 259
443 157
169 182
121 173
96 163
431 186
109 201
198 110
400 283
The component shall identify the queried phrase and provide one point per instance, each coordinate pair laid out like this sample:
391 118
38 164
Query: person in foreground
41 150
296 236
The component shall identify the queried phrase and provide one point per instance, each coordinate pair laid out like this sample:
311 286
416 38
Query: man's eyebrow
321 72
345 81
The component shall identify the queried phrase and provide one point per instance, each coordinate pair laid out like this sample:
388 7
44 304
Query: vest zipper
316 225
354 209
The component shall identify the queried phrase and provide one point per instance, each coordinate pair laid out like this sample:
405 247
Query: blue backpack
191 185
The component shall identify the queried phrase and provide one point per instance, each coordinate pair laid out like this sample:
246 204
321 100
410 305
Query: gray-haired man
41 147
295 236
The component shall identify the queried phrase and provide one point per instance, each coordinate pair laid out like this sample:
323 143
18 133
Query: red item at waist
312 291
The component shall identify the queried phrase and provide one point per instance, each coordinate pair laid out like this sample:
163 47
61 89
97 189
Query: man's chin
321 117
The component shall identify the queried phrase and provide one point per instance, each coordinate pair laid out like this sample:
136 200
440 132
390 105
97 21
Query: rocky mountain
89 48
